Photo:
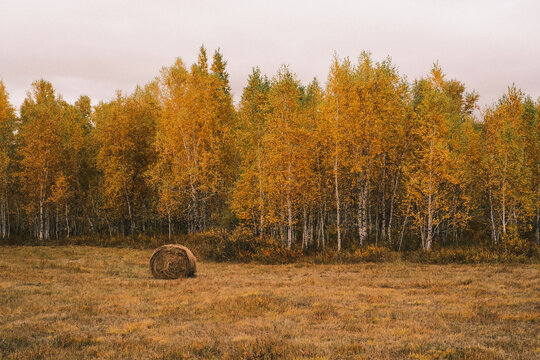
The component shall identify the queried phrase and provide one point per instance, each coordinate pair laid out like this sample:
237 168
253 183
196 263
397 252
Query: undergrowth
241 246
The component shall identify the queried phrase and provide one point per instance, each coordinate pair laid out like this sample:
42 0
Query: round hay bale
173 261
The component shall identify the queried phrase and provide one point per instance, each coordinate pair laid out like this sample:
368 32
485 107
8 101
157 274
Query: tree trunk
494 232
67 222
8 219
131 216
383 201
321 237
336 182
261 193
537 227
289 221
41 222
392 202
503 214
377 225
170 224
57 222
538 214
310 238
282 222
305 232
429 235
338 215
362 209
47 224
503 191
404 223
194 207
289 205
4 219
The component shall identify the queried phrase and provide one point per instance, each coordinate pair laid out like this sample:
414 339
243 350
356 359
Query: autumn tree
71 193
531 124
278 125
125 132
41 153
367 159
509 153
280 141
379 138
251 206
433 176
337 111
310 164
7 166
196 162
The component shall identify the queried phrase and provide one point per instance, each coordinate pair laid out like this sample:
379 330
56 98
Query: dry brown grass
87 303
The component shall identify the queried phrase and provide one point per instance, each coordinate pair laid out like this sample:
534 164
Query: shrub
372 253
515 245
369 253
241 245
468 255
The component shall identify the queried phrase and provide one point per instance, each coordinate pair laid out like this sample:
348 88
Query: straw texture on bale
173 261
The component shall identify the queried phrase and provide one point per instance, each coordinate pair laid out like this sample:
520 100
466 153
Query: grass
90 302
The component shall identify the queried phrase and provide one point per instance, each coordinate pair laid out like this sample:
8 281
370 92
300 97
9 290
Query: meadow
77 302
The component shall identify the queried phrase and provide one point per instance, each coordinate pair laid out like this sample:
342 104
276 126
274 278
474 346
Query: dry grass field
102 303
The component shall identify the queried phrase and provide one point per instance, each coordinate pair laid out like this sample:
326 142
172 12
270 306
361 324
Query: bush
369 253
372 253
241 245
515 245
472 255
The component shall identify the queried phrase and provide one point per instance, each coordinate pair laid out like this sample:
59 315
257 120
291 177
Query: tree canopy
365 158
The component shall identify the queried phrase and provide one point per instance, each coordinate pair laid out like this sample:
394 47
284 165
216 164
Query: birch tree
249 199
432 171
339 96
125 130
509 182
40 151
281 142
197 158
7 158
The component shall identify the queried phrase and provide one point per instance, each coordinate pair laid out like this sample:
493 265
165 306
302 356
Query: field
89 302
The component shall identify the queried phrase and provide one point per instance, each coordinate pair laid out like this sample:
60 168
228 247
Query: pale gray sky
95 47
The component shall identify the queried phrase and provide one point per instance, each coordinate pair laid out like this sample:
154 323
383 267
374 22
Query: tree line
367 158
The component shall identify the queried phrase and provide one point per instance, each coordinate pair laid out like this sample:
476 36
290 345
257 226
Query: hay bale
173 261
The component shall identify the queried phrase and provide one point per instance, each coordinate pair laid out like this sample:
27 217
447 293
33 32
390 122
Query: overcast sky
95 47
